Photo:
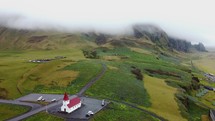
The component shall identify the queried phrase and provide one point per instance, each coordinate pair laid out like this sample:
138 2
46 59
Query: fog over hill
177 18
44 39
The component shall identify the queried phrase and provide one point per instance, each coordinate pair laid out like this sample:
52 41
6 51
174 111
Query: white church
70 105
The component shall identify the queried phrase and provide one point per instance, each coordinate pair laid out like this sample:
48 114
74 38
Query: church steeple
65 98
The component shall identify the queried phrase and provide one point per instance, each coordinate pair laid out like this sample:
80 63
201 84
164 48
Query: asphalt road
32 105
34 111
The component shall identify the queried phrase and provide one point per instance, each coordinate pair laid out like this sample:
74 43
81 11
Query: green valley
144 70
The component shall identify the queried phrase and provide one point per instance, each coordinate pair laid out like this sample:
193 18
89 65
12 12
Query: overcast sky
190 19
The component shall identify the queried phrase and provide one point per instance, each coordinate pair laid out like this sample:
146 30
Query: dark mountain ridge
161 38
29 39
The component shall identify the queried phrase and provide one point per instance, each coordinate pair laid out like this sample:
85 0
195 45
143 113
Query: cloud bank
193 20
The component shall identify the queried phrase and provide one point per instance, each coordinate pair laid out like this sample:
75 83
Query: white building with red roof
70 105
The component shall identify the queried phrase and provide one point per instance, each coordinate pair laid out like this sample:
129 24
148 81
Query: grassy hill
143 69
22 39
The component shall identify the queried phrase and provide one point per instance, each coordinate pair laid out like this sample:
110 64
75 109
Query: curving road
32 105
30 113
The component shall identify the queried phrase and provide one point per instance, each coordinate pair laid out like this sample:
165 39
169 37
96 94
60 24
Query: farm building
70 105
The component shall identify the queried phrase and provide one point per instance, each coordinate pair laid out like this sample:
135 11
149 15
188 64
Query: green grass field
43 116
196 112
88 70
118 83
9 111
120 112
16 71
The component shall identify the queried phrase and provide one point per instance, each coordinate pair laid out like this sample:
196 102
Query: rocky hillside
153 33
160 37
143 36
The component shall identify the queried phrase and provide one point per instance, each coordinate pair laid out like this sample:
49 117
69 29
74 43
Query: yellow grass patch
205 61
205 118
139 50
112 67
108 45
162 97
47 74
145 41
111 58
206 64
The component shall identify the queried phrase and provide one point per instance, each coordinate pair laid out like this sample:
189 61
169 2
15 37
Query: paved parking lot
88 104
34 96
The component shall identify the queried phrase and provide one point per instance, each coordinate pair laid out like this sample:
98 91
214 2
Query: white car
53 100
40 98
89 113
103 102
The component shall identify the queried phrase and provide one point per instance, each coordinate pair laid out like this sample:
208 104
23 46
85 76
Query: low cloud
191 19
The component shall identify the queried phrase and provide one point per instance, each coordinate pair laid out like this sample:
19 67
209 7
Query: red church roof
65 98
74 102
